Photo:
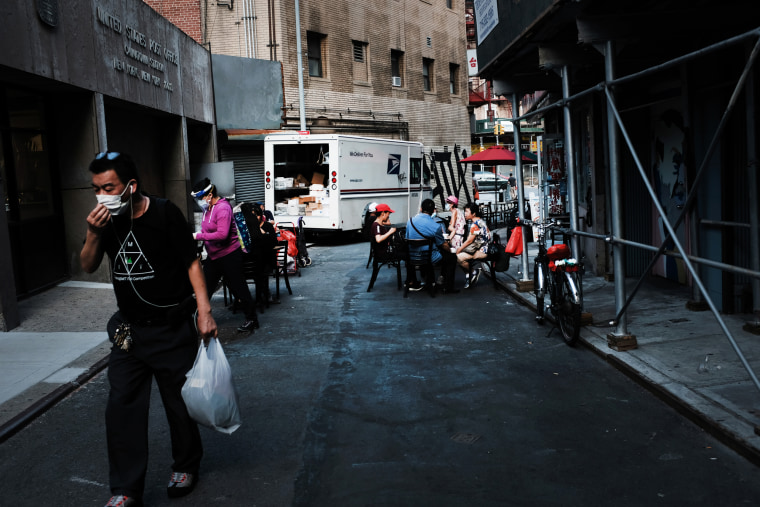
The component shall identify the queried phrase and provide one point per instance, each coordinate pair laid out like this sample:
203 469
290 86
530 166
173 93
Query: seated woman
261 251
475 246
381 230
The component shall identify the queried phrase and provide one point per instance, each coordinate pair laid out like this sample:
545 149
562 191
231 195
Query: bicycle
557 274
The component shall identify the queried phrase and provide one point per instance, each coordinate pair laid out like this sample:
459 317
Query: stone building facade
380 68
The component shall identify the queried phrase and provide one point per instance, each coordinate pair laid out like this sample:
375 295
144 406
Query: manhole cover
465 438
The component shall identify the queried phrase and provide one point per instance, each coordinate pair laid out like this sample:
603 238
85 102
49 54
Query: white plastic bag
209 393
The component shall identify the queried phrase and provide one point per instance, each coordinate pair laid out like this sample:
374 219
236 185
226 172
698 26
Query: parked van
330 179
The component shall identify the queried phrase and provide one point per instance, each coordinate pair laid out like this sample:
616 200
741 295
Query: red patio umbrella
498 155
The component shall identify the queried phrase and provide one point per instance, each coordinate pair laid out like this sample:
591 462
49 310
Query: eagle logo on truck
394 164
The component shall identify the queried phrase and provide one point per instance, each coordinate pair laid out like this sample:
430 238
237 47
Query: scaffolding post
520 193
619 339
572 193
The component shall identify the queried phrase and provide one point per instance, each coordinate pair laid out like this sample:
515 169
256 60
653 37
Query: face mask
203 204
114 203
448 207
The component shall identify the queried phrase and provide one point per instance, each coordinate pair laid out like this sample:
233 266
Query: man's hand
206 326
92 254
98 218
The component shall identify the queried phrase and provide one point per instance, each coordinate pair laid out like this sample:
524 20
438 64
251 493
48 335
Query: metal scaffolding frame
615 127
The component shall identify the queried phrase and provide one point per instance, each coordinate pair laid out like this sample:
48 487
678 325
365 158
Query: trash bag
290 237
209 393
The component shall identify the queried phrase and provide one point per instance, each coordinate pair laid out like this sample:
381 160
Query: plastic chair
381 258
418 257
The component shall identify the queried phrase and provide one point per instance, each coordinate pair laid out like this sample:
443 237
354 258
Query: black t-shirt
150 257
380 229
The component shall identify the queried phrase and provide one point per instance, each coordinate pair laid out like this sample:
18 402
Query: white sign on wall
472 62
486 17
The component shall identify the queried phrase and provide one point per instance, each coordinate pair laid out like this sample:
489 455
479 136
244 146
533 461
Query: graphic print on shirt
131 262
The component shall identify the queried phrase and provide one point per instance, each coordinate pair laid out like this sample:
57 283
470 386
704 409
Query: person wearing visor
163 308
225 257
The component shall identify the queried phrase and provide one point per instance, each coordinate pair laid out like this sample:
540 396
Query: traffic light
498 129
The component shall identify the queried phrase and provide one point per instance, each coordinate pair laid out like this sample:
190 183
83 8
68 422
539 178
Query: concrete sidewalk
682 356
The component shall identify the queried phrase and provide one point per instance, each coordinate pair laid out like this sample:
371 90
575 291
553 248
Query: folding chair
380 259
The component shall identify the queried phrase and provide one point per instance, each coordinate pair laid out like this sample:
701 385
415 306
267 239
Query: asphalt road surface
352 398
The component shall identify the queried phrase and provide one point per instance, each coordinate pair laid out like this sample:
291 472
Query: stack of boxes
314 204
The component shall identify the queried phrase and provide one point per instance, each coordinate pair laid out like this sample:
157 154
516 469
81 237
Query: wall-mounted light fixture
230 4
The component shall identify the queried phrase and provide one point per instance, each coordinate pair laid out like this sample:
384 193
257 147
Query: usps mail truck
330 179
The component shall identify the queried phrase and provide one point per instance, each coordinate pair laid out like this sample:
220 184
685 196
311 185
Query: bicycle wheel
568 307
539 285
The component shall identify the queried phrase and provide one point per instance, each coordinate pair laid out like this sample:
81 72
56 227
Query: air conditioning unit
396 80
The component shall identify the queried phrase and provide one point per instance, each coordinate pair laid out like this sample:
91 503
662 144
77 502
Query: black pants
166 353
231 267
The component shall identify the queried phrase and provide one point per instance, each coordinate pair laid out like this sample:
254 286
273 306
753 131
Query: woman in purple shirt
225 257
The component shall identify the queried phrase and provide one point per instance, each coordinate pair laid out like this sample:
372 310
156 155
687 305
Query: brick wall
185 14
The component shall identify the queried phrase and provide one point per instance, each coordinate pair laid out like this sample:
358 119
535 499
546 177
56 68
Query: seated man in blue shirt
423 226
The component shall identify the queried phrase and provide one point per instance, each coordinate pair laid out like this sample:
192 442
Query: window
453 79
450 4
361 67
314 43
397 65
427 74
358 51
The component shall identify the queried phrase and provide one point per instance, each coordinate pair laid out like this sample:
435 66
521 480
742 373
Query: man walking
512 187
159 282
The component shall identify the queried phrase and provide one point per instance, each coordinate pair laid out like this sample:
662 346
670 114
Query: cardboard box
318 179
305 199
302 179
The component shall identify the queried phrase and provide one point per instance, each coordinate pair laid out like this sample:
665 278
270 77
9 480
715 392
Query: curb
42 405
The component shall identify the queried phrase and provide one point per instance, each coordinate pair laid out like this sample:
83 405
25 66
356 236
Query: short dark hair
428 206
121 163
474 209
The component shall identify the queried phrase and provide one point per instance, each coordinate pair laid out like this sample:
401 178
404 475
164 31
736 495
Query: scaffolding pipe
572 193
520 192
616 198
677 243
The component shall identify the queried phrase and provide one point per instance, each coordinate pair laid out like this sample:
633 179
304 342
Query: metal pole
572 194
520 196
300 67
616 199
